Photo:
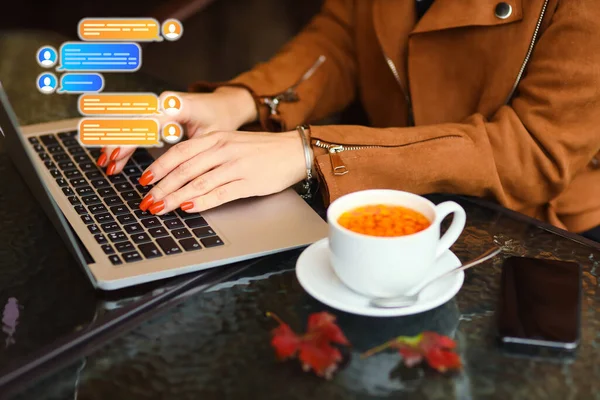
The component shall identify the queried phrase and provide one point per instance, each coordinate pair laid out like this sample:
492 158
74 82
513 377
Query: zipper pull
337 165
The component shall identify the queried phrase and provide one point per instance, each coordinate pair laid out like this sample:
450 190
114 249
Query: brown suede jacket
471 99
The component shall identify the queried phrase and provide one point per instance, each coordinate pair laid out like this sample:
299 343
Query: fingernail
111 168
115 154
157 207
188 205
102 160
146 178
147 202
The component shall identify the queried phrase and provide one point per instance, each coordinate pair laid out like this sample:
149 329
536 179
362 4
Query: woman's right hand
225 109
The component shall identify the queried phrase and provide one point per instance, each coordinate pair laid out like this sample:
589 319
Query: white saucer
317 277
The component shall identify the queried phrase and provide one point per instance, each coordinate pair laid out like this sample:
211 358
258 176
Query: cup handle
456 227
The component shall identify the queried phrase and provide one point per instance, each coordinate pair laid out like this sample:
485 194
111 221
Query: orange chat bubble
118 104
128 29
108 132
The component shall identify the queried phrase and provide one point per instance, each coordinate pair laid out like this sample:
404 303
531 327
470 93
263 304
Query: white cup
377 266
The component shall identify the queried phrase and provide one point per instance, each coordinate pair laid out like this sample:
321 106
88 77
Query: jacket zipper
529 51
392 66
337 165
289 95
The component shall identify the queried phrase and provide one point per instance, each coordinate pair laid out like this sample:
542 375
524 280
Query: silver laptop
116 243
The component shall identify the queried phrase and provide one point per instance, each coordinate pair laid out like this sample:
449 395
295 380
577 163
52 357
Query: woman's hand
209 170
226 109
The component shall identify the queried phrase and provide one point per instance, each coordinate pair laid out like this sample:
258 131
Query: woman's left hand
219 167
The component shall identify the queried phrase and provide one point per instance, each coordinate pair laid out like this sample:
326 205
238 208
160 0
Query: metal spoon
410 299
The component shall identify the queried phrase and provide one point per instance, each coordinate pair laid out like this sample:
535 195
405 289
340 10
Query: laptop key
115 260
87 219
88 166
174 224
134 204
141 238
78 182
133 228
196 222
80 210
152 222
62 182
107 192
67 135
117 237
132 256
123 187
143 214
81 158
127 196
104 218
110 227
135 179
89 200
66 165
186 215
55 173
190 244
33 140
107 249
93 175
167 216
95 152
74 151
48 139
212 241
100 183
120 178
38 148
55 149
84 191
61 157
71 142
158 232
113 201
181 233
94 229
122 247
68 191
49 165
74 200
149 250
100 238
44 156
168 245
97 209
119 210
72 174
203 232
126 219
132 171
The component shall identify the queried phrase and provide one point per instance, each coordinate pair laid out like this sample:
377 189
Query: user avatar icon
47 56
46 83
172 104
172 29
172 133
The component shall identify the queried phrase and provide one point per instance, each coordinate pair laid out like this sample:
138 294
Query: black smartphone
539 309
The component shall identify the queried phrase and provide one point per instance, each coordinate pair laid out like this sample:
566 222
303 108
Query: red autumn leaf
314 349
410 356
442 360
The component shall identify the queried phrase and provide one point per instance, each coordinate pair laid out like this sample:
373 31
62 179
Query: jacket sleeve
523 156
325 51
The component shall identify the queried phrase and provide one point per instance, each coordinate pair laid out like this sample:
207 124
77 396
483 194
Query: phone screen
540 304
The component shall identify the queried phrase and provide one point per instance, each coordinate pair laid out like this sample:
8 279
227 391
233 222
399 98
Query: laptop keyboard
109 205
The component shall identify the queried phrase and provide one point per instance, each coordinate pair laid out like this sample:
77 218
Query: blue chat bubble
81 83
83 56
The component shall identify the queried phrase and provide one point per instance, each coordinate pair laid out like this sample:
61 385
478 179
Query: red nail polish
157 207
147 202
146 178
111 168
188 205
102 160
115 154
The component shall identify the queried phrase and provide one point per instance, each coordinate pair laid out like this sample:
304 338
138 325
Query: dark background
221 38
